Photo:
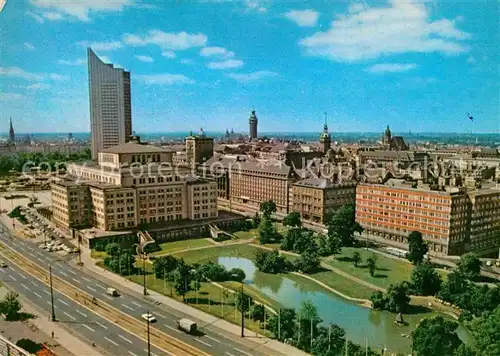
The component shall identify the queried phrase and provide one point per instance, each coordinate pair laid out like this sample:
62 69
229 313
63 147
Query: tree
267 231
379 301
371 262
29 345
329 341
308 262
308 324
164 265
398 297
267 208
343 225
243 301
425 280
292 219
257 312
270 262
435 337
417 247
126 262
10 306
486 332
256 219
237 274
182 278
112 249
356 258
287 325
469 266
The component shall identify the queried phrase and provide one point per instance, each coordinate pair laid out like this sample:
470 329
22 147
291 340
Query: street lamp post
242 311
140 251
149 341
53 312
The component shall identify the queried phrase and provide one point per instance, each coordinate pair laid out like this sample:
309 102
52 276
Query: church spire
325 127
12 136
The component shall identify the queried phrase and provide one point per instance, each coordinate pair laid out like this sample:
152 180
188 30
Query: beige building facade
132 185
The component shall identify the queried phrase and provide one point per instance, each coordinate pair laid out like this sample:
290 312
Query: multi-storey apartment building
392 211
484 219
316 199
110 104
199 149
254 182
132 184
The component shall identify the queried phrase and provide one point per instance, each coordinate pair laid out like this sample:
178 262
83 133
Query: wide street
94 328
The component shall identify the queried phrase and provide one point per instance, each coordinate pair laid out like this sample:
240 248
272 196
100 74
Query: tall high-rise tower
325 140
110 104
253 121
12 135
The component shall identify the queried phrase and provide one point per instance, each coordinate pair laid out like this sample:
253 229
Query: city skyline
191 70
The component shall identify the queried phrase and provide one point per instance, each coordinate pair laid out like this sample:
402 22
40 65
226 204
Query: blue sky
413 65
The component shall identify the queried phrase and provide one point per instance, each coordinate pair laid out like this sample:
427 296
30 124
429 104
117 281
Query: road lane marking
89 287
126 306
130 352
79 312
22 275
22 248
85 278
76 280
49 303
107 296
62 301
39 259
152 354
64 274
39 254
212 338
174 329
46 291
36 285
88 327
137 304
124 338
11 277
228 354
102 326
32 255
69 315
111 341
98 285
38 295
25 287
243 352
203 342
163 316
70 271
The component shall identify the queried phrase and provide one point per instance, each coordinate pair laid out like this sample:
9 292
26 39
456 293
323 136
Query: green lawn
254 233
340 283
211 254
172 247
389 270
98 255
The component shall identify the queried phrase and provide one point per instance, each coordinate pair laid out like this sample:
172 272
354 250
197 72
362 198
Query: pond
361 324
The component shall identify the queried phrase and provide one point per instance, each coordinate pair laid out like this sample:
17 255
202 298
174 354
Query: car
148 317
75 250
3 264
42 245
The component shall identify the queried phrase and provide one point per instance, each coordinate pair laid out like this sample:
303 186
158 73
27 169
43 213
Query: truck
186 325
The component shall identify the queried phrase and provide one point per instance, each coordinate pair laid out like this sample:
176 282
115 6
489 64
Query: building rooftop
135 147
322 183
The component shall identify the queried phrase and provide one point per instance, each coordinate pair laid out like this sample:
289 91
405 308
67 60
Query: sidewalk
224 326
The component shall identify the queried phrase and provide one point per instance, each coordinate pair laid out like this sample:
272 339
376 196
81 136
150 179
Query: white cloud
252 77
164 79
58 77
303 18
146 59
230 63
17 72
471 60
37 18
11 96
28 46
36 86
76 62
52 16
367 33
186 61
216 52
391 67
101 46
256 5
80 9
167 40
168 54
